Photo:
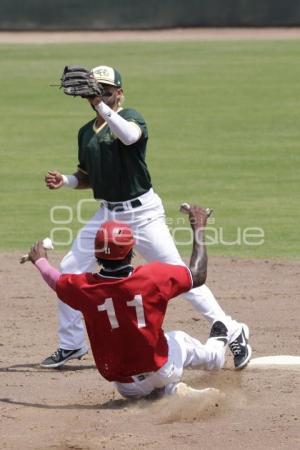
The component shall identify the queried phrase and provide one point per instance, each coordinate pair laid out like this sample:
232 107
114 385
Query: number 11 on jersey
137 303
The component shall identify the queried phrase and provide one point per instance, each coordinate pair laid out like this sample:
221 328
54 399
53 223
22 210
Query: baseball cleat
219 332
61 356
241 349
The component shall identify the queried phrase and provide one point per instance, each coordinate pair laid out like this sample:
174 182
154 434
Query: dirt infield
75 408
179 34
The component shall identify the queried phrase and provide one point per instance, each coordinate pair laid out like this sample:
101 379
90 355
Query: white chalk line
275 362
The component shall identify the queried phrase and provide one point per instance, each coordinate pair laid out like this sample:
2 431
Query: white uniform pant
184 351
153 242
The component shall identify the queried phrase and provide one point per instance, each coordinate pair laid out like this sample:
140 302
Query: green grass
223 119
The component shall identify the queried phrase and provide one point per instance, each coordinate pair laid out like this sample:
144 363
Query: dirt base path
178 34
75 408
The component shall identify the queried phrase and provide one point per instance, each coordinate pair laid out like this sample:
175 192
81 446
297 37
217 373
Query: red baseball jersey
124 316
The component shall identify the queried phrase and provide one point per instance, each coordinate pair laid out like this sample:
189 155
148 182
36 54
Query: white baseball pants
184 351
153 242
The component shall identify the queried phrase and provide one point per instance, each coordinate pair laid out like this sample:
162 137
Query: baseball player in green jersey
111 155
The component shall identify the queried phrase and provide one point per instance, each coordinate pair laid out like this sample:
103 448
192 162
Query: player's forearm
77 180
127 132
83 180
198 262
49 273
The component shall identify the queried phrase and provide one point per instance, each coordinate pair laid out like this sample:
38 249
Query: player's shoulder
86 126
147 267
160 268
149 273
72 279
162 274
131 113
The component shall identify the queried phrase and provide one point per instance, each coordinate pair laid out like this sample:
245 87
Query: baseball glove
80 82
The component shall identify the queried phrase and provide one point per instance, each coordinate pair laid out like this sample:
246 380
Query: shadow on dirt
37 368
110 404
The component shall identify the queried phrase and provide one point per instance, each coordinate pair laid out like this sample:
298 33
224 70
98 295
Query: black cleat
219 332
61 356
241 349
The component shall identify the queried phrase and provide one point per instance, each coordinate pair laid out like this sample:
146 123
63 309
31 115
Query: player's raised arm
198 263
38 256
127 132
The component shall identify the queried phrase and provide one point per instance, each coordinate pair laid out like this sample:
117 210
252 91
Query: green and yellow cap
107 75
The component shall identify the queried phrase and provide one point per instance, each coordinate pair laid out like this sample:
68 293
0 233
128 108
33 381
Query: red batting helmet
113 241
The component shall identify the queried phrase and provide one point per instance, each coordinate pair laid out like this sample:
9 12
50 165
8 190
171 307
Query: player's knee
219 362
130 391
216 360
215 354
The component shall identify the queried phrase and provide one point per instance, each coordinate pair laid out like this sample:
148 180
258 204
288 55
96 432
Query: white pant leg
184 351
71 330
154 242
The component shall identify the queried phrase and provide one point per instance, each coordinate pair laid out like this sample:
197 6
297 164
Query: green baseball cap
107 75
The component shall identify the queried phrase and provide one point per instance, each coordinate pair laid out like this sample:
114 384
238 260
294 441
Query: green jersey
117 172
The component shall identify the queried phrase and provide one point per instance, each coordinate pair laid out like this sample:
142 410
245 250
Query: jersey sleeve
68 290
172 280
134 116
